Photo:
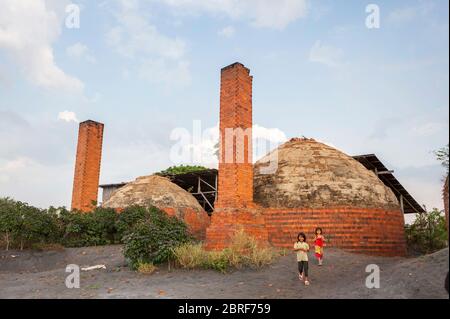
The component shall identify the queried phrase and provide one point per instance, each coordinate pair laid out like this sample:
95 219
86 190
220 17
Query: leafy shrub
22 225
89 229
10 220
129 217
244 251
153 240
428 233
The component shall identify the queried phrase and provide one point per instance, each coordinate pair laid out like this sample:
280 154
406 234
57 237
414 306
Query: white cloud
68 116
260 13
227 32
407 14
427 129
28 29
326 54
162 58
80 51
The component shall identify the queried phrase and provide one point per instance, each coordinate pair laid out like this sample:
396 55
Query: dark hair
317 229
301 235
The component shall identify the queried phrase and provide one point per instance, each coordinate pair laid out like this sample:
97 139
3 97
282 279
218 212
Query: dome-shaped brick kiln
162 193
314 175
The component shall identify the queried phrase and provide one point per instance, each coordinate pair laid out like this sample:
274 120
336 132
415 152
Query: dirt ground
31 274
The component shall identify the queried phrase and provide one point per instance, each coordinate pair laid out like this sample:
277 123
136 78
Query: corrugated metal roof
371 162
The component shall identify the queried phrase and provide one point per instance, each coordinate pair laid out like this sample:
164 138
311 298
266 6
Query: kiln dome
162 193
314 175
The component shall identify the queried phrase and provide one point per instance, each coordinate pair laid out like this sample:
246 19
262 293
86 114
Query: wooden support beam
207 183
401 204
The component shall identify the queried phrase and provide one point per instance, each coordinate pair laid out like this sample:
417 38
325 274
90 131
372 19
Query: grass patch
146 268
244 251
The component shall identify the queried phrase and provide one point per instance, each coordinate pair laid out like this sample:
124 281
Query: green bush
89 229
129 217
428 233
22 225
148 233
153 240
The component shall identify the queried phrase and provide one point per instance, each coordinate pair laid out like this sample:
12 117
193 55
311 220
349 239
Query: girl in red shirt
319 243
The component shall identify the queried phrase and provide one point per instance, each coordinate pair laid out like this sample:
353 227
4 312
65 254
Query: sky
149 69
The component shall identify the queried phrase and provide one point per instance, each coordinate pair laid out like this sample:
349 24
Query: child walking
302 248
319 243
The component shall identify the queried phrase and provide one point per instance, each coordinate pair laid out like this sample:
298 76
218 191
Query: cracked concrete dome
314 175
154 190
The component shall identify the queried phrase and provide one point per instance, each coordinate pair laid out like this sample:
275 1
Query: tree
428 232
10 220
442 155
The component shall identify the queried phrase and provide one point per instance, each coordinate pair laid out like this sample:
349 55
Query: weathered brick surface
369 231
197 223
87 165
235 187
312 174
225 222
234 207
358 230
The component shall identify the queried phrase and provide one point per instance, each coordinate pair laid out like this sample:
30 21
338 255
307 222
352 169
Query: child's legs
300 267
305 268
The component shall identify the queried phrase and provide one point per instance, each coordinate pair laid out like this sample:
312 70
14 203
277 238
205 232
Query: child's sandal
307 283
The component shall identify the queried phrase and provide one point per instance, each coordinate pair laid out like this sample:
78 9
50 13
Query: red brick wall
359 230
224 223
197 222
235 184
87 165
369 231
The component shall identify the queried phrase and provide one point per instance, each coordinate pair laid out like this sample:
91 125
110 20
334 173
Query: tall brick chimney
234 209
235 187
87 165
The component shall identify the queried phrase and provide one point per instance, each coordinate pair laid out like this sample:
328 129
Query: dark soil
32 274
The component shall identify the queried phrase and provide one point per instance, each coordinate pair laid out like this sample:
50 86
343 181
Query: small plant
190 255
146 268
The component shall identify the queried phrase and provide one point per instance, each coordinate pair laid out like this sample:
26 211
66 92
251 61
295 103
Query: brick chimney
235 187
87 166
234 209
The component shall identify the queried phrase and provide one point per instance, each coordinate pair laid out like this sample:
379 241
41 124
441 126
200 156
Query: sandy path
42 275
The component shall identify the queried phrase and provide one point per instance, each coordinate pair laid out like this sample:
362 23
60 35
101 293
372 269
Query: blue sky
147 67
